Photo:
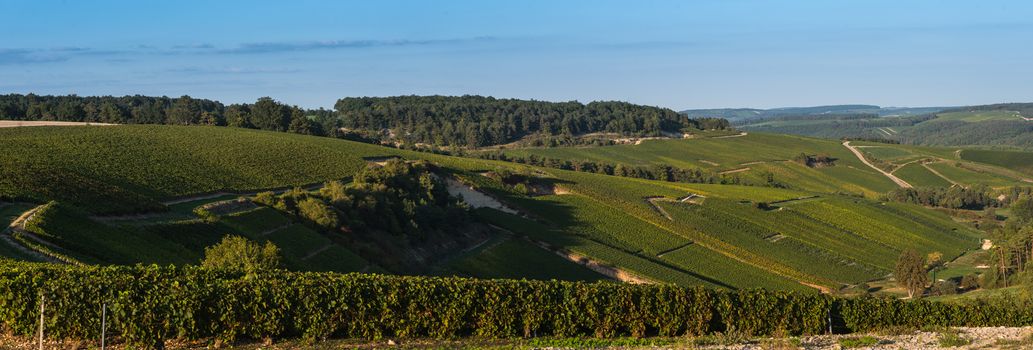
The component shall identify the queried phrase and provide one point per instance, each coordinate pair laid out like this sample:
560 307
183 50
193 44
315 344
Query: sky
676 54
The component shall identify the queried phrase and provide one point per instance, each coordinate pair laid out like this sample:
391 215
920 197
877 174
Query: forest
471 121
481 121
264 114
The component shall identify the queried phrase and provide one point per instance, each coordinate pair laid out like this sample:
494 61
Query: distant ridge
742 114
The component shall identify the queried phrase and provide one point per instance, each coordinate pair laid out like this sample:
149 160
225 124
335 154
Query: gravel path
979 338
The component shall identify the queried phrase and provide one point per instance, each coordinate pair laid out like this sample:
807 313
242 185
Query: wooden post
42 300
830 319
103 323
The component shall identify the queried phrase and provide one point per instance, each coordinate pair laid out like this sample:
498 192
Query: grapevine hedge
150 304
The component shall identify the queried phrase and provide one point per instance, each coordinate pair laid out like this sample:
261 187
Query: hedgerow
150 304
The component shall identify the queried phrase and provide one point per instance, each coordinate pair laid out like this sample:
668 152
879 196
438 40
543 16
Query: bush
947 287
239 254
969 282
314 210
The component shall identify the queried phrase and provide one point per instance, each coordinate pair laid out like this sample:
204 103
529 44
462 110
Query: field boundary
18 227
724 248
937 173
900 182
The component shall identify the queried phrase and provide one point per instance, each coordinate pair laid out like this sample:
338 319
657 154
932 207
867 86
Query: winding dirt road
900 182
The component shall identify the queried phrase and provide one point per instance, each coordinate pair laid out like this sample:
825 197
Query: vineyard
496 261
918 175
130 169
1020 161
728 237
757 152
149 305
934 167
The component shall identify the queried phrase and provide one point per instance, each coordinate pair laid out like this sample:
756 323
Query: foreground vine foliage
151 304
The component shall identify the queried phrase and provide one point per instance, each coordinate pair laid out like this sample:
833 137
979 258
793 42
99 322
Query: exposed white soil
560 190
21 123
980 338
475 198
730 136
733 171
597 266
652 202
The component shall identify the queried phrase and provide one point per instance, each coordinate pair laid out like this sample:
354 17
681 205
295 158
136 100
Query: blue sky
677 54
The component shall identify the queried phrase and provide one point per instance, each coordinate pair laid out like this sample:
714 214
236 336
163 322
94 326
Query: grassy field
725 241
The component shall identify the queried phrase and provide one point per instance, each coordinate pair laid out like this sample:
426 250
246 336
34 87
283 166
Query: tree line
1012 251
661 172
405 120
976 197
265 113
481 121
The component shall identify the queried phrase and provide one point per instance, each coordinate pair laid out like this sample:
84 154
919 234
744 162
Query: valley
722 240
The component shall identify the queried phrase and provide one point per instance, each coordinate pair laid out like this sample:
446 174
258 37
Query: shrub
969 282
947 287
315 211
239 254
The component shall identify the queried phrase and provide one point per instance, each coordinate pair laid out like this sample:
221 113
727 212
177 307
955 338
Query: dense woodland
975 197
406 120
480 121
265 114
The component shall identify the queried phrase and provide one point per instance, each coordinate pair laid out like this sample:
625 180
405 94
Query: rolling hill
1005 126
754 115
127 194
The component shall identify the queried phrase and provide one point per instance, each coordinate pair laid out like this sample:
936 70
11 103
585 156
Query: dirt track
21 123
900 182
